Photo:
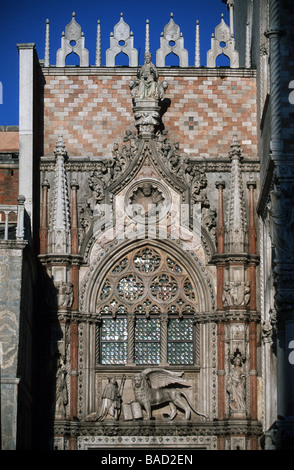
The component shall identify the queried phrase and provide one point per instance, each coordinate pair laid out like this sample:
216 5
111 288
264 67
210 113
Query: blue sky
23 22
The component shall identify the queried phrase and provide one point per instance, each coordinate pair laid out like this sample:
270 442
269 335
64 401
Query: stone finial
47 46
72 40
171 41
235 150
98 45
197 46
147 38
222 42
121 40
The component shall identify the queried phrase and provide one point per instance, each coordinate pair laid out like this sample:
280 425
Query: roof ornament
72 40
222 42
121 40
171 41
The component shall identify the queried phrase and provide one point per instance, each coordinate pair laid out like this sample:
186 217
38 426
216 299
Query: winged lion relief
154 387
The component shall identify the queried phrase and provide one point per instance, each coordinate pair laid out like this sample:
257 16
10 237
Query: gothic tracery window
146 304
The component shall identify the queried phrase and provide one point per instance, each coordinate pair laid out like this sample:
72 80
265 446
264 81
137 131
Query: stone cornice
229 314
163 71
53 259
13 244
234 258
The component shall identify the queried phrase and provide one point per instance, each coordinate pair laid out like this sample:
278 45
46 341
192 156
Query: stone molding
190 71
216 428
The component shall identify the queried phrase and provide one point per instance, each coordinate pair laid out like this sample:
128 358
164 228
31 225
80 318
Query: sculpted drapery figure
146 85
236 385
111 402
148 79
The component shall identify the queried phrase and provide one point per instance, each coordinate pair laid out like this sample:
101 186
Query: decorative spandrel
153 299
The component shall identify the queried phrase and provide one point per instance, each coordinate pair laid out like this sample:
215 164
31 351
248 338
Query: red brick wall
8 186
92 112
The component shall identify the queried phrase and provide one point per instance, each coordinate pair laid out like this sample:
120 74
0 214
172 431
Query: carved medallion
147 201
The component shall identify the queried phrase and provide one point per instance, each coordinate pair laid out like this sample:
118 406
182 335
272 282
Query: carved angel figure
151 389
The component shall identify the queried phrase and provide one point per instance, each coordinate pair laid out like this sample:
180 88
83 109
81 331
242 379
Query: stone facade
147 259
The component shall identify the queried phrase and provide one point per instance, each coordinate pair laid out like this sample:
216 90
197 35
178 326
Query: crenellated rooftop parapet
122 41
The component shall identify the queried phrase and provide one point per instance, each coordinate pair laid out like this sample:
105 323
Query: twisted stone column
163 334
131 339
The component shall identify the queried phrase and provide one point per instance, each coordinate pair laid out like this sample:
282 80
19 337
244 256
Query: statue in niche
236 384
65 294
226 297
61 389
236 293
247 293
111 402
146 85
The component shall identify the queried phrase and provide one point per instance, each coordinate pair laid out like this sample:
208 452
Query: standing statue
111 401
236 385
61 389
226 297
152 388
247 293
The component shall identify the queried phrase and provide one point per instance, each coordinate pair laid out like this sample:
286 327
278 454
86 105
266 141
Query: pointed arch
193 266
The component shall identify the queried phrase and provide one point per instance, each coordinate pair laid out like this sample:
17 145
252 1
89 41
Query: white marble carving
171 41
222 42
59 233
72 40
121 40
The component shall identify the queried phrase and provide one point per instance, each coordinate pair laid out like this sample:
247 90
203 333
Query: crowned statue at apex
147 92
146 86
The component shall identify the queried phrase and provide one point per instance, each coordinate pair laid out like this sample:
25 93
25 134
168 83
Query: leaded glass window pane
147 329
114 341
113 353
147 353
180 341
180 353
147 338
180 330
114 329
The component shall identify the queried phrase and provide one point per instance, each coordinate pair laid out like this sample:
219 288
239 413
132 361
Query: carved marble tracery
150 286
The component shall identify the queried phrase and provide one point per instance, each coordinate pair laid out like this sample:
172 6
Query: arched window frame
179 310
